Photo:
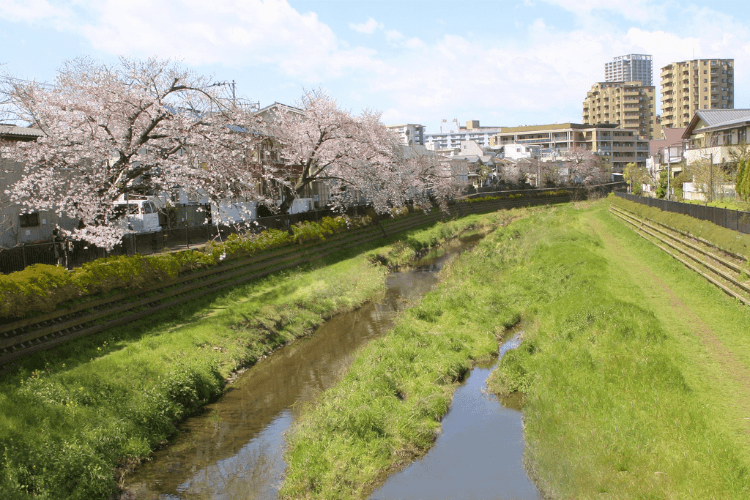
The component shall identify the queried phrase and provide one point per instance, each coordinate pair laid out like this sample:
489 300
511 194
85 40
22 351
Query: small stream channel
234 449
477 455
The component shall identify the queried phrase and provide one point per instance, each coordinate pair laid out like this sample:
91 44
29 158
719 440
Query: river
234 449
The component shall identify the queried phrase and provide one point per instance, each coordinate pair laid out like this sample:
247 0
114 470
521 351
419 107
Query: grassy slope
635 367
635 370
70 415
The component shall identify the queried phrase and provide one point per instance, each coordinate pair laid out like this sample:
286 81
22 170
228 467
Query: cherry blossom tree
584 167
318 142
142 127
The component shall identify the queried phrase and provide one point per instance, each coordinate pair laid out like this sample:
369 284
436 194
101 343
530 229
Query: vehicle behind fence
178 236
730 219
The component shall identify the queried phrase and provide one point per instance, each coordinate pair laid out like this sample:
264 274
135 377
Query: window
28 220
705 80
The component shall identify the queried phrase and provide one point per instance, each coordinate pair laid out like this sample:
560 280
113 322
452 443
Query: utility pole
711 166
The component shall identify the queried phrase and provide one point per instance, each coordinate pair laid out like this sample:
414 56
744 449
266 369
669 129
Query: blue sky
505 63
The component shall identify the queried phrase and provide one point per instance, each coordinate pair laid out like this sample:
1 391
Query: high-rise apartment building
630 68
629 105
688 86
409 133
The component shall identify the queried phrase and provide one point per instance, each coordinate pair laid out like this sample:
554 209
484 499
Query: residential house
716 133
666 153
719 136
18 225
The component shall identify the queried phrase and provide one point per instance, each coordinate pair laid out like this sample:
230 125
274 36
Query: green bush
43 287
37 288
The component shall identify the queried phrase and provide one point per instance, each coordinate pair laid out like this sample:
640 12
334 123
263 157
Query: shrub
43 287
37 288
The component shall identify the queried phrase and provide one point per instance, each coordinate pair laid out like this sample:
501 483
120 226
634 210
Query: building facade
629 105
689 86
452 134
630 68
616 146
411 134
18 224
717 135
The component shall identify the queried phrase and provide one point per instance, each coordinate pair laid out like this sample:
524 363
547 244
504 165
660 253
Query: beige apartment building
617 146
689 86
629 105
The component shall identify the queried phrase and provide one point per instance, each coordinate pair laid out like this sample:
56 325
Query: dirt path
732 368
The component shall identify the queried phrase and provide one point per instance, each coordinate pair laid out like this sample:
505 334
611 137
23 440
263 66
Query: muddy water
234 449
478 454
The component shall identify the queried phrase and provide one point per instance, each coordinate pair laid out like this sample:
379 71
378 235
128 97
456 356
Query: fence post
23 254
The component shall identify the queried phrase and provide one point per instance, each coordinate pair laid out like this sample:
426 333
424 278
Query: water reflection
478 455
234 449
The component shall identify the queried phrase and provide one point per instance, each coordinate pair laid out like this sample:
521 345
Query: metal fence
731 219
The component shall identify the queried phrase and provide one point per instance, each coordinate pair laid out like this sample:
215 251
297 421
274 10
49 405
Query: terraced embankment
48 330
725 269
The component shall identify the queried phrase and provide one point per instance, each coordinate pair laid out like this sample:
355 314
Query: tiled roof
721 117
12 130
716 119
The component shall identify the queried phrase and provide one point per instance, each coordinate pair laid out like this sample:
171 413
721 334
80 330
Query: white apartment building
452 134
411 134
630 68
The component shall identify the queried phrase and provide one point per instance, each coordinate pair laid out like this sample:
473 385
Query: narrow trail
658 294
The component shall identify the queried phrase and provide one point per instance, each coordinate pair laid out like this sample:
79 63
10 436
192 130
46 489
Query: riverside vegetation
75 419
635 370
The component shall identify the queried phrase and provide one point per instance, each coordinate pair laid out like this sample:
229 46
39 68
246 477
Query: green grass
727 239
634 370
622 400
387 409
729 204
73 419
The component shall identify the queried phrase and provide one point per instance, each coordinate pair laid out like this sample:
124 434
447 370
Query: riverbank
635 370
72 416
387 408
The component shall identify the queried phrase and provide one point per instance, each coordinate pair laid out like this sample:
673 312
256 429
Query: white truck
141 216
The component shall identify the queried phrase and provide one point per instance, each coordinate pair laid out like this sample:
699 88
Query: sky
503 62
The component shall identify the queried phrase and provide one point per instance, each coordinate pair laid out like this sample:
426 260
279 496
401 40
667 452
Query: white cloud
32 11
234 33
542 77
632 10
394 36
368 27
397 39
539 75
